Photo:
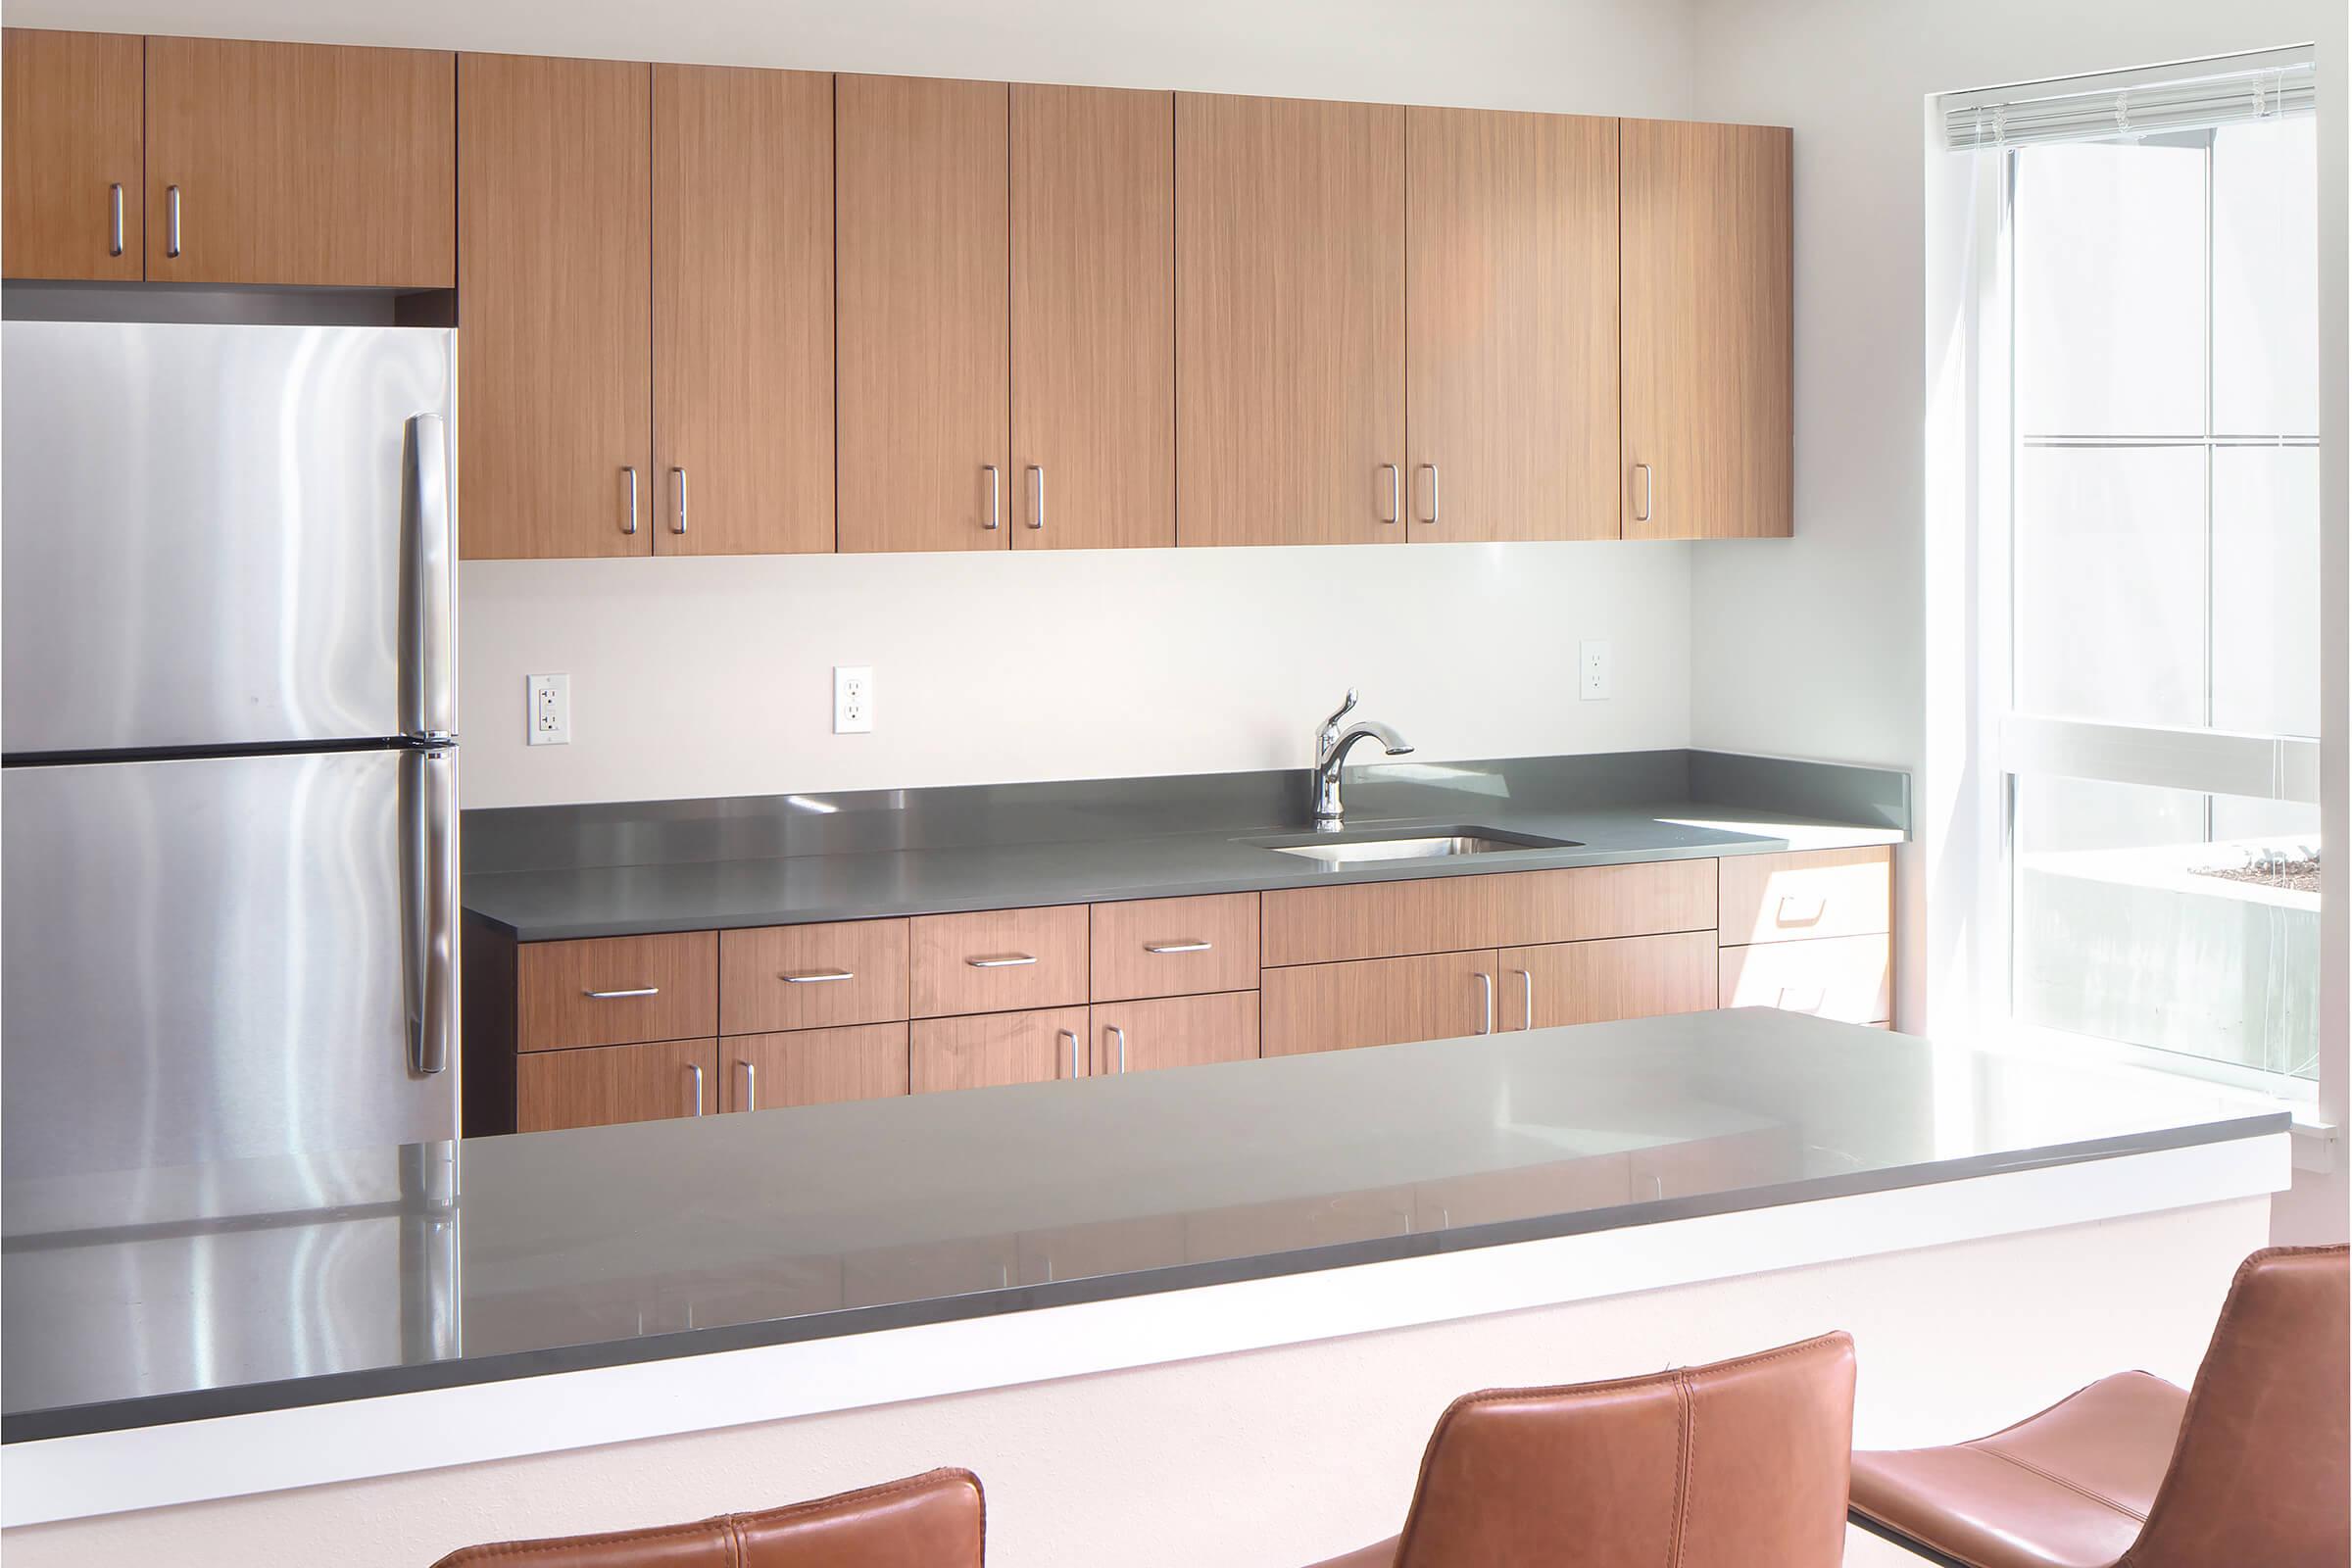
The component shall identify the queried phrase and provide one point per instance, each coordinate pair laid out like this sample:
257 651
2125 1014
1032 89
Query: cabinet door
1512 348
813 1066
922 202
997 1048
555 282
1094 317
71 140
742 311
1707 330
1379 1002
1594 982
599 1085
1290 321
300 163
1175 1032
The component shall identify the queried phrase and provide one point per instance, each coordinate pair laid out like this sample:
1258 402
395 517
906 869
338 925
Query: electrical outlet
1592 665
853 699
548 719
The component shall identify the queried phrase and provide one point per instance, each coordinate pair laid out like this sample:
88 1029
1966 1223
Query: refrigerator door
225 959
221 536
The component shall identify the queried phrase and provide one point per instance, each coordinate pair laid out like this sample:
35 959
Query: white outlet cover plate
853 699
1593 667
547 715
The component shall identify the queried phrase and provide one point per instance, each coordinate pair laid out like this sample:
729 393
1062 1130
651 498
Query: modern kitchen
1527 783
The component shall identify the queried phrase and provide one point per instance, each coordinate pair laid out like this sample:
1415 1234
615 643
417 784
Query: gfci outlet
1592 671
853 699
547 721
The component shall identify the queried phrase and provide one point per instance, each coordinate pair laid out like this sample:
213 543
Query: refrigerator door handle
429 898
428 693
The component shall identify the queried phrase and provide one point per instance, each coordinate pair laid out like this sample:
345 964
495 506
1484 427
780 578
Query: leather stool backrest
2259 1473
1732 1466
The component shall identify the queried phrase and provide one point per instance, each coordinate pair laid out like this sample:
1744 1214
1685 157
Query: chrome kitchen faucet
1332 745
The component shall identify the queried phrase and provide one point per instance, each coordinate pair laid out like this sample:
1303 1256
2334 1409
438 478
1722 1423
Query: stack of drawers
1808 932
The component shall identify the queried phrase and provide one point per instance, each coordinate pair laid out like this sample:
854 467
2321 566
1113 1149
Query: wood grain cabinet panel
1806 893
300 163
610 991
922 209
994 960
554 281
1511 325
1175 1032
1436 914
73 141
1175 946
1597 982
1849 978
811 1066
812 976
1290 320
1708 389
742 311
602 1085
997 1048
1379 1002
1094 315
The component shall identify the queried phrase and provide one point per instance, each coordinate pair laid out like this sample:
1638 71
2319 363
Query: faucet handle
1346 707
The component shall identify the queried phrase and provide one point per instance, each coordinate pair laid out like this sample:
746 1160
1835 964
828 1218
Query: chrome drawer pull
1177 947
630 473
1010 960
1123 1034
818 977
1527 999
115 240
696 1068
1781 915
1485 983
172 220
1395 493
750 1085
633 991
1821 998
1072 1036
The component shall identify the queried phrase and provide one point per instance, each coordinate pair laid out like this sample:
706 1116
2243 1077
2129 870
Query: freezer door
217 536
225 959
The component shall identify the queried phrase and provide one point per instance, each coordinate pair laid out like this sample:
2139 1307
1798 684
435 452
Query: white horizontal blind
2199 96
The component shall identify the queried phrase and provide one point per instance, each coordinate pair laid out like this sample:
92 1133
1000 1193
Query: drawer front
1849 978
813 1066
1175 1032
596 1086
995 960
1379 1002
1449 914
1598 982
1175 946
812 976
612 991
1803 896
997 1048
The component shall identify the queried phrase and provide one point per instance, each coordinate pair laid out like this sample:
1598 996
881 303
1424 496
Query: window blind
2194 97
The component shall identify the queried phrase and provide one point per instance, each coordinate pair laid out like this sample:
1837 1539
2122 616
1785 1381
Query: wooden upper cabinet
1708 323
300 163
1511 325
1094 314
742 311
1290 321
555 282
70 134
921 209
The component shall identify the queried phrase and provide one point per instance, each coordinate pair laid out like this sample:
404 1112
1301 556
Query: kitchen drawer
1378 1002
1175 946
812 976
813 1066
614 991
1805 895
1175 1032
995 960
596 1085
1598 982
996 1047
1849 978
1514 909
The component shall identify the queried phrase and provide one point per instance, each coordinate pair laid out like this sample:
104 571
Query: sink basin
1420 844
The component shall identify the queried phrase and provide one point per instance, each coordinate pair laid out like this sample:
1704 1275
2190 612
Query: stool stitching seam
2057 1480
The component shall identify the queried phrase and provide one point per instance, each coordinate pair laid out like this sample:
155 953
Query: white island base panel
1270 1422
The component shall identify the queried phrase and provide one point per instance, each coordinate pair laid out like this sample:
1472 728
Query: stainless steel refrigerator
228 727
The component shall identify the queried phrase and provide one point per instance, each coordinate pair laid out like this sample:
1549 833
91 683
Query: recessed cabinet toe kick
692 1023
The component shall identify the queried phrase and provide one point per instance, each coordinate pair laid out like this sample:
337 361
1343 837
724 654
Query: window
2149 555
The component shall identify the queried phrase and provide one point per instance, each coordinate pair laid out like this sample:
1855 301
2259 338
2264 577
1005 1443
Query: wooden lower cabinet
1848 978
1175 1032
1598 982
813 1066
1378 1002
596 1085
997 1048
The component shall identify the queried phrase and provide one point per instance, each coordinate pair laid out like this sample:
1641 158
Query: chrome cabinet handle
696 1068
1431 469
1010 960
630 473
115 241
1071 1035
428 703
1485 985
1821 998
818 977
1037 497
1643 507
678 478
750 1085
428 904
1177 947
1821 907
1122 1038
994 516
171 219
633 991
1393 493
1526 998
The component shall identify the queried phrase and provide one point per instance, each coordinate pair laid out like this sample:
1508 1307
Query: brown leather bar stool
1736 1466
2250 1466
933 1520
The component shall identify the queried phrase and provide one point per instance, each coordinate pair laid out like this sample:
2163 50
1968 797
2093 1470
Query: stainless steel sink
1421 844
